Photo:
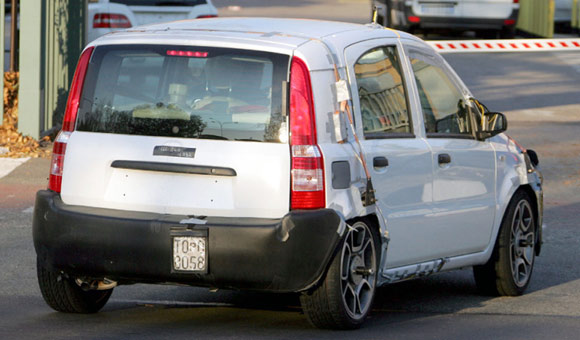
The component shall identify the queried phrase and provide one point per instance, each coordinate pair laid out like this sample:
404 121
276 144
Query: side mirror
493 123
533 157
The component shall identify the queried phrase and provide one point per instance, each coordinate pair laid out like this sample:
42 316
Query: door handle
380 162
444 158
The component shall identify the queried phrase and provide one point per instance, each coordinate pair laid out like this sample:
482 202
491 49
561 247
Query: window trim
387 135
449 135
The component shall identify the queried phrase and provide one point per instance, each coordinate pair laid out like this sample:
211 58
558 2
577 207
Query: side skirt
423 269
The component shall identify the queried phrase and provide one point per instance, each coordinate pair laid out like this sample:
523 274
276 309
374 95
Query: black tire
509 270
64 295
487 34
327 306
507 33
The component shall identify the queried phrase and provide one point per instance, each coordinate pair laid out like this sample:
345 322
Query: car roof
274 33
316 29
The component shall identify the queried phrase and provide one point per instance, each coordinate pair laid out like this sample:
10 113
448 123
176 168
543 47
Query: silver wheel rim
358 270
522 242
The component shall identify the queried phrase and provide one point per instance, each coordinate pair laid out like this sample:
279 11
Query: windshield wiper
248 140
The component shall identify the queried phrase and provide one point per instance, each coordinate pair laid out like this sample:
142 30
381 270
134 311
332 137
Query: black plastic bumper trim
279 255
174 167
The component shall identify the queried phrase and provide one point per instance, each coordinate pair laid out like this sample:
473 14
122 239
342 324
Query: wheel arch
533 195
527 188
373 221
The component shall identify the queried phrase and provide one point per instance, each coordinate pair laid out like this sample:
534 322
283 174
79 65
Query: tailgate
490 9
259 188
181 130
437 8
155 14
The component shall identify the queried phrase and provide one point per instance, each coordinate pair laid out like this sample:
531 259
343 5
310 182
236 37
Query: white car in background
105 16
488 18
563 12
282 155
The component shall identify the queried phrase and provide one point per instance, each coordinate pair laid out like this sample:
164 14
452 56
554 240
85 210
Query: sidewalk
21 178
7 165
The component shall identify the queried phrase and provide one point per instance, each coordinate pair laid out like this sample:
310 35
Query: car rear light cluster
414 19
307 173
68 125
207 16
191 54
111 20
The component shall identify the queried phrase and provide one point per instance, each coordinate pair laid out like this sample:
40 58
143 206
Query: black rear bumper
281 255
461 24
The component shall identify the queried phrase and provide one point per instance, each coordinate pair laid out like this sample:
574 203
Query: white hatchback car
279 155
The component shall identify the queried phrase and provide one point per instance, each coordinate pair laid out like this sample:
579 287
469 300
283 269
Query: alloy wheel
522 243
358 270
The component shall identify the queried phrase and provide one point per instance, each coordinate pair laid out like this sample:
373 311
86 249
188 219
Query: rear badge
173 151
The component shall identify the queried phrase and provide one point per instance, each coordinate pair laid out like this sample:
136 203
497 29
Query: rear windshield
187 92
160 2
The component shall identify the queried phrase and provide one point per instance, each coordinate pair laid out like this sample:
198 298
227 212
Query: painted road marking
572 59
7 165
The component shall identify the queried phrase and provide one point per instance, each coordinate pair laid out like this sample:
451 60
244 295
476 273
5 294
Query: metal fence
537 17
575 14
52 35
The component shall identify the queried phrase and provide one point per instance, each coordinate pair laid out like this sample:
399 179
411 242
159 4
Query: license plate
190 254
438 9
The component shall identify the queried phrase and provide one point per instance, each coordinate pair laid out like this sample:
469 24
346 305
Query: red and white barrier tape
511 45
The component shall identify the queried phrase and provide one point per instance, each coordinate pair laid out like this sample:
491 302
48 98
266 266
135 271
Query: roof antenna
376 9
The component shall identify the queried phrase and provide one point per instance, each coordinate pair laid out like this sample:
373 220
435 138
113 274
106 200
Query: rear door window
382 94
208 93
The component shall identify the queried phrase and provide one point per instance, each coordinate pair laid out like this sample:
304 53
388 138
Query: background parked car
106 16
489 18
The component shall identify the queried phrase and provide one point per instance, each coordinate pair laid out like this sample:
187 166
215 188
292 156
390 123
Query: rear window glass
160 2
187 92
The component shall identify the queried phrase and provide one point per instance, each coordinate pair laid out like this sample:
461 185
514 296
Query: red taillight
516 1
111 20
307 174
207 16
413 19
509 22
58 151
68 125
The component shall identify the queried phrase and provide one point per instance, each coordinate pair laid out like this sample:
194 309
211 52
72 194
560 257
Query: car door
463 167
400 161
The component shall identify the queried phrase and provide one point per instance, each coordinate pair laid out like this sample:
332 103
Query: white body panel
563 11
143 15
463 196
484 9
260 188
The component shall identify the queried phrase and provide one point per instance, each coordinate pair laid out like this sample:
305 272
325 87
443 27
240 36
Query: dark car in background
488 18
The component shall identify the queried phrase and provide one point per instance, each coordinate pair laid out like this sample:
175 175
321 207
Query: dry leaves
13 143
